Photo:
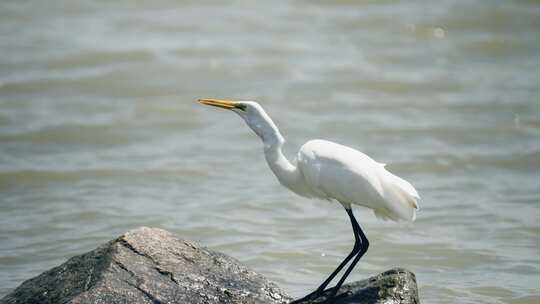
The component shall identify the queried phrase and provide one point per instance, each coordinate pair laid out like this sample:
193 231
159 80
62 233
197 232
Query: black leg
357 249
320 290
363 249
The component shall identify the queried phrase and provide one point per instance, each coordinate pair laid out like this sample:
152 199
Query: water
99 133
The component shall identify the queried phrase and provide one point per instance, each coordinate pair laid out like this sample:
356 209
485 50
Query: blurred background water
100 133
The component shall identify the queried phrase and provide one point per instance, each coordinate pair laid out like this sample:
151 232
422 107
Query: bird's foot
334 299
317 297
310 298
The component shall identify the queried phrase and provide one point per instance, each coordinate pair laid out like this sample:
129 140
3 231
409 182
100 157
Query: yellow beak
225 104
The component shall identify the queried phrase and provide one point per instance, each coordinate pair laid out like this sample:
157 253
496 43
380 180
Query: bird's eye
241 107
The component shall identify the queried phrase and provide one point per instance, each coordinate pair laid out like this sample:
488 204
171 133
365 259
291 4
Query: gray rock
149 265
393 286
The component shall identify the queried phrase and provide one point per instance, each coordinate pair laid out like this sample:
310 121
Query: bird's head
252 113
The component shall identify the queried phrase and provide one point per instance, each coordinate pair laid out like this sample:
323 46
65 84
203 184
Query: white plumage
334 171
330 171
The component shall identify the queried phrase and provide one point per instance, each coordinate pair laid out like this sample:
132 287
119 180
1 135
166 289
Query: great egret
323 169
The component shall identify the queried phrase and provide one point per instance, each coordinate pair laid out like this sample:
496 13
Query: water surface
99 133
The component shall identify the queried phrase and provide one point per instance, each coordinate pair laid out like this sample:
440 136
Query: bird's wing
334 171
338 172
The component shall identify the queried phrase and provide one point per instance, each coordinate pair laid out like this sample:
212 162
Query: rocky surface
396 285
150 265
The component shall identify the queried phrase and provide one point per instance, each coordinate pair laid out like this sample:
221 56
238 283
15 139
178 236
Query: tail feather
402 197
384 215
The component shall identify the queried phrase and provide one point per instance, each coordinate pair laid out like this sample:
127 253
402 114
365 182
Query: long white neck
286 172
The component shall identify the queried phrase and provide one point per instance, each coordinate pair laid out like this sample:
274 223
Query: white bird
327 170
